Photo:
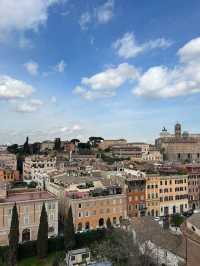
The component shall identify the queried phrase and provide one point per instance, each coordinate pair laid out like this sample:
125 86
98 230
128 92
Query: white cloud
32 67
25 42
101 15
104 13
183 79
105 84
60 67
127 46
190 51
12 88
23 15
29 106
85 19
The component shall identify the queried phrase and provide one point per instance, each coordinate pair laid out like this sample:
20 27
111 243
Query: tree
42 238
14 237
69 233
108 224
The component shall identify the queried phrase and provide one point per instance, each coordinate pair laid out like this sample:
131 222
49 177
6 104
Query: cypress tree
42 237
69 233
13 237
108 223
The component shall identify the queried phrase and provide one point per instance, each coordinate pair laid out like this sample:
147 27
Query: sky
109 68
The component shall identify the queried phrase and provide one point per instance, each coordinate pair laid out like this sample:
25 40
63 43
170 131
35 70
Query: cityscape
100 135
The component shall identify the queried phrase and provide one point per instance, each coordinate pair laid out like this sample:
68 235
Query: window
26 220
73 258
79 205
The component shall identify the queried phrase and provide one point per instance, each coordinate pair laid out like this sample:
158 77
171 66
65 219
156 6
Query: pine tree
13 237
69 233
108 224
42 238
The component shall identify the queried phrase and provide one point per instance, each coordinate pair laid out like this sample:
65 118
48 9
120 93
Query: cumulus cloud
127 46
29 106
105 84
60 67
11 88
84 21
23 15
32 67
182 79
104 13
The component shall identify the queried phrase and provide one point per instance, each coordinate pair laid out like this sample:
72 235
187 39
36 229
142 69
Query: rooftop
28 196
195 220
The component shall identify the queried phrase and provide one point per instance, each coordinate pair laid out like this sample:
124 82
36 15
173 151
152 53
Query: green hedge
28 249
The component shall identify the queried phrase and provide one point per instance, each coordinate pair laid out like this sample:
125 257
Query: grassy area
35 262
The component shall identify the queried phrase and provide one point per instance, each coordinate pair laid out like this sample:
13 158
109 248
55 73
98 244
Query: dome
185 134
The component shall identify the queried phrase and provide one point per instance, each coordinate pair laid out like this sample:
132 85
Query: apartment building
29 206
152 155
136 196
193 186
127 151
152 195
8 175
36 165
173 194
108 143
8 160
92 210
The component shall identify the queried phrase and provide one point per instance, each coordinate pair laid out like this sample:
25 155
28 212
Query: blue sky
111 68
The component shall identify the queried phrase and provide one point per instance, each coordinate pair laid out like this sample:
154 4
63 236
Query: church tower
177 130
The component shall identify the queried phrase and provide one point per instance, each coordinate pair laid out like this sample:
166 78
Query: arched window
26 235
80 227
101 222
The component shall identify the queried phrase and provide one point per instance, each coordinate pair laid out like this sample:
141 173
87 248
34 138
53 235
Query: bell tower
177 130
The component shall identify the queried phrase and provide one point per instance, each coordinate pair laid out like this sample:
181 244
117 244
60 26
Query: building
29 206
152 195
36 165
136 196
78 257
191 232
162 246
193 186
8 160
93 207
181 147
173 194
108 143
8 175
127 151
47 145
152 155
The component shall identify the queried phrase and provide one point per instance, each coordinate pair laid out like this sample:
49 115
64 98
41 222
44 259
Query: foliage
13 237
119 248
177 220
42 238
32 184
69 232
